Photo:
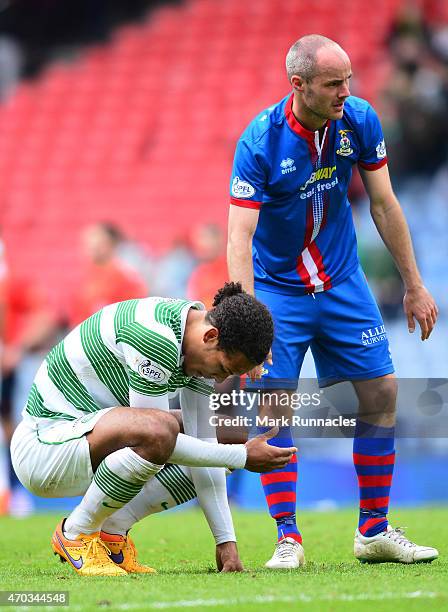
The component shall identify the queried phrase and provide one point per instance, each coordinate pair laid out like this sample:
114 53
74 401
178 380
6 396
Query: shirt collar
295 125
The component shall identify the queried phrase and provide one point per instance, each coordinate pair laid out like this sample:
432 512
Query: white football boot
288 554
393 546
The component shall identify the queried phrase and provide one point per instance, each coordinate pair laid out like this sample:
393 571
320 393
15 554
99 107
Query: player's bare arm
392 226
242 225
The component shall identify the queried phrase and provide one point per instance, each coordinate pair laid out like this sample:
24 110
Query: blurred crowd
414 103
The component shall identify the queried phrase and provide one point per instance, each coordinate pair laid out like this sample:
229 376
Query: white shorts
52 458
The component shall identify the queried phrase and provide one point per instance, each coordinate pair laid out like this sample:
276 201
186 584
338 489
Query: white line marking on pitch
258 599
261 599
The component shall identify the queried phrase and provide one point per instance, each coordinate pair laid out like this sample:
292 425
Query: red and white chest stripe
310 265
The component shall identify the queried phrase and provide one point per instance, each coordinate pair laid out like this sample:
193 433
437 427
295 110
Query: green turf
180 546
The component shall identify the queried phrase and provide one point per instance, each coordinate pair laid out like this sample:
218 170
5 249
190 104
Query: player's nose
344 92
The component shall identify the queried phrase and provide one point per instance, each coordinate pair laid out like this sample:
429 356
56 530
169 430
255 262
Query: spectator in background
211 271
30 330
135 256
173 270
416 95
106 278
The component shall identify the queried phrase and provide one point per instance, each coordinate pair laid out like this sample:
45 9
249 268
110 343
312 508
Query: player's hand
227 558
257 372
419 304
262 457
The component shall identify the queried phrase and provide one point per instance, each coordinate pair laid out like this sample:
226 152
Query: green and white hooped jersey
127 354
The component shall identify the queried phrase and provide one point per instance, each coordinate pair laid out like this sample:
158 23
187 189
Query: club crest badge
345 146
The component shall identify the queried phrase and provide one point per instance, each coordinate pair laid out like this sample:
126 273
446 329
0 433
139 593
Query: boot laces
397 535
99 550
284 549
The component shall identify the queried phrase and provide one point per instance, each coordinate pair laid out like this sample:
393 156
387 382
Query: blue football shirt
305 238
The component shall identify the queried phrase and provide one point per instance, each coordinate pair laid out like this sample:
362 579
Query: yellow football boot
88 555
123 553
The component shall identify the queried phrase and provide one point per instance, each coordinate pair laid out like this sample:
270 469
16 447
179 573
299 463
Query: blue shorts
342 326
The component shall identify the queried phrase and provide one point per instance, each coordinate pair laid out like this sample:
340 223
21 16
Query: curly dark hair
245 324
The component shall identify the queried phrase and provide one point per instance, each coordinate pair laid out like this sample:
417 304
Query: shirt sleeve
144 400
150 357
373 148
210 483
248 180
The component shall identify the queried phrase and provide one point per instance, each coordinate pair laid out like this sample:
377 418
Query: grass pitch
180 546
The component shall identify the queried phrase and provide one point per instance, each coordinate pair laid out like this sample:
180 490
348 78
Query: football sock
170 487
117 480
374 458
280 489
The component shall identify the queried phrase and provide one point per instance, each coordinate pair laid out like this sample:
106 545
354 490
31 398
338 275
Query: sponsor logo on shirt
287 166
242 189
153 372
381 150
322 173
345 146
328 173
373 335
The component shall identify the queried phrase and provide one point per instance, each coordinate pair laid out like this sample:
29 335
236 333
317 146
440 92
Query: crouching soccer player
97 424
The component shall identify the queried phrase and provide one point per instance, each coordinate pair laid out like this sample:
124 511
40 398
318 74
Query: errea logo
287 166
151 371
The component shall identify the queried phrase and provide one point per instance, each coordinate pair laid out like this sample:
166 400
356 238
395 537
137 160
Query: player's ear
211 335
297 82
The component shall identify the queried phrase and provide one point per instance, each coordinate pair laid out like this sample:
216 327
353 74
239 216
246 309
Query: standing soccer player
96 422
292 242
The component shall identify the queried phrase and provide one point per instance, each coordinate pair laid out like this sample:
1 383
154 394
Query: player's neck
193 331
309 120
190 325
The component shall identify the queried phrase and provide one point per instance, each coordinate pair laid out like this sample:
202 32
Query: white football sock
117 480
171 487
